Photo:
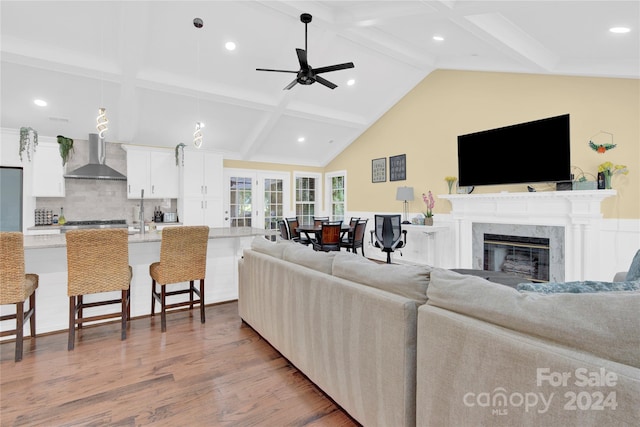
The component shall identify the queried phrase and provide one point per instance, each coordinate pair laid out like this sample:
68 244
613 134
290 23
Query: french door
256 198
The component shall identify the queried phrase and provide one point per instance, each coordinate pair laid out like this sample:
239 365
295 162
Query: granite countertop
59 240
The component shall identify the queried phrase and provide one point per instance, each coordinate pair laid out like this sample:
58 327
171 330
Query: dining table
308 229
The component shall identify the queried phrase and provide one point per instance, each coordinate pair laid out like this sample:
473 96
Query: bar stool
183 258
97 262
16 287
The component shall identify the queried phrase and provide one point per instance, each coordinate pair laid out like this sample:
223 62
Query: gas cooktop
94 223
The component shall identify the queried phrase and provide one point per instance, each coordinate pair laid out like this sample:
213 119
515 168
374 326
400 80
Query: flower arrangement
608 169
450 180
430 202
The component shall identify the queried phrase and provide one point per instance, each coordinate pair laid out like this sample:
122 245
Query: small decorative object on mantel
379 170
180 153
601 146
430 202
450 180
606 171
66 147
26 143
398 168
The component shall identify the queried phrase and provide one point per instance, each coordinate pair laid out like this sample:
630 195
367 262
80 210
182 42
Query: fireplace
526 257
572 220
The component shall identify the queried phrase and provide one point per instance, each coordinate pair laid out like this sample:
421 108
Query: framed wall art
379 170
398 168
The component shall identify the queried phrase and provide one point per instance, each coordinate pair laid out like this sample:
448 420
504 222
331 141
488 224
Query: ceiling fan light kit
307 75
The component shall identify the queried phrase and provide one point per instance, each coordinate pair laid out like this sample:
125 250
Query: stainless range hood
96 169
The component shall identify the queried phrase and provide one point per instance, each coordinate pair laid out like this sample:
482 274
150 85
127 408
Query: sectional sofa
406 345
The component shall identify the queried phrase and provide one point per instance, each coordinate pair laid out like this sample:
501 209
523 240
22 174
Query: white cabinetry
201 201
153 170
48 171
421 244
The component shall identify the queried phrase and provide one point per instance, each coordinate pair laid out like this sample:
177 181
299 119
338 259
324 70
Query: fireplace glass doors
526 257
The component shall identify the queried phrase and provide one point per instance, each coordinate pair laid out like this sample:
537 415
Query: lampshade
404 193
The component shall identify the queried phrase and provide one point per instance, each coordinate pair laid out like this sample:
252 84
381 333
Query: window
240 201
337 200
307 196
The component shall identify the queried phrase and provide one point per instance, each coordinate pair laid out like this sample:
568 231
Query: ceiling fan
308 75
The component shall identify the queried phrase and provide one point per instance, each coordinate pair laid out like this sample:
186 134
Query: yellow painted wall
425 124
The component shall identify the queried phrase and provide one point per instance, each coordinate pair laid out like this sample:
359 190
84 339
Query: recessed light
230 46
438 38
301 139
620 30
351 82
40 102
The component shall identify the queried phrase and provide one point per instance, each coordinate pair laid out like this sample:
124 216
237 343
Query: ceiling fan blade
277 71
333 68
325 82
302 59
290 85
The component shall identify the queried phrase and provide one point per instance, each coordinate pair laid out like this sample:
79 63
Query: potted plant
430 202
26 143
66 147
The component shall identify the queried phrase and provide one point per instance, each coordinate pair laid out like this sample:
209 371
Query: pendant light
197 133
102 120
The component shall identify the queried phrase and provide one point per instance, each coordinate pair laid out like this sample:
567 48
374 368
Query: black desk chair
329 237
388 234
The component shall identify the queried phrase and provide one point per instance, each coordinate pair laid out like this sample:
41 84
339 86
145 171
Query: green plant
66 146
26 143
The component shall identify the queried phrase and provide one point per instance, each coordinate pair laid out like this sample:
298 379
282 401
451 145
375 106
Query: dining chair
284 230
348 237
292 225
355 239
97 263
388 234
183 258
318 220
16 287
329 237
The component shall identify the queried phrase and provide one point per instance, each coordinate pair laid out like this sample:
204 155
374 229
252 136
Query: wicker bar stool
16 287
97 262
183 258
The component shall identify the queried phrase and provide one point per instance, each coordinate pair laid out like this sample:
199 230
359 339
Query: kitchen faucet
141 211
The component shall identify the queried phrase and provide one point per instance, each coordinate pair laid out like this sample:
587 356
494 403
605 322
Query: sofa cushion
307 257
579 287
604 324
275 249
410 281
634 269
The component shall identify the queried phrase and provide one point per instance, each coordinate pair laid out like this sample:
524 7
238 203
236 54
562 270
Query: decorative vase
450 184
607 179
428 220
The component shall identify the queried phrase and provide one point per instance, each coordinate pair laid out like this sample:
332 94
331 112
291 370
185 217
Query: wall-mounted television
536 151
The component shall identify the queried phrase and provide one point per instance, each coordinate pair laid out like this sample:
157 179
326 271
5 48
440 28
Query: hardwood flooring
221 373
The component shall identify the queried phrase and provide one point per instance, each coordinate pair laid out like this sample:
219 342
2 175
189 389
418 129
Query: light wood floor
221 373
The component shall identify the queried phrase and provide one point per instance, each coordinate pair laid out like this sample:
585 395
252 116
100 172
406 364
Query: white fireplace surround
577 211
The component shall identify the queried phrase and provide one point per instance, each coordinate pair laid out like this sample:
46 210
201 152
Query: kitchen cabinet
153 170
48 171
201 201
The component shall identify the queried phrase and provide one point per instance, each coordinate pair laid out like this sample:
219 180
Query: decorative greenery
601 148
26 143
66 147
180 147
430 202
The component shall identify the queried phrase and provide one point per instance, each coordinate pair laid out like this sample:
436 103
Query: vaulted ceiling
157 74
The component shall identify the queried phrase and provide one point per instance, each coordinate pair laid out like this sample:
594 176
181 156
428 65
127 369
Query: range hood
96 169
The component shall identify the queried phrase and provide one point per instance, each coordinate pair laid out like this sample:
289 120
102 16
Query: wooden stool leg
123 333
201 300
191 295
32 307
163 314
19 330
153 301
72 322
80 310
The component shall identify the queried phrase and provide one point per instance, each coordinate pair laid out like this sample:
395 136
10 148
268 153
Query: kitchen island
46 256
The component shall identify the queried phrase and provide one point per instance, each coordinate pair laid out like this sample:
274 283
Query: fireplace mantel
577 211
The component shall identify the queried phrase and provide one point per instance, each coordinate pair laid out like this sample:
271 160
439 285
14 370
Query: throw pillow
409 281
589 286
634 269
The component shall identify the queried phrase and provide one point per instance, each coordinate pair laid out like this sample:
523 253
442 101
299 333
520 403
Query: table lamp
405 194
